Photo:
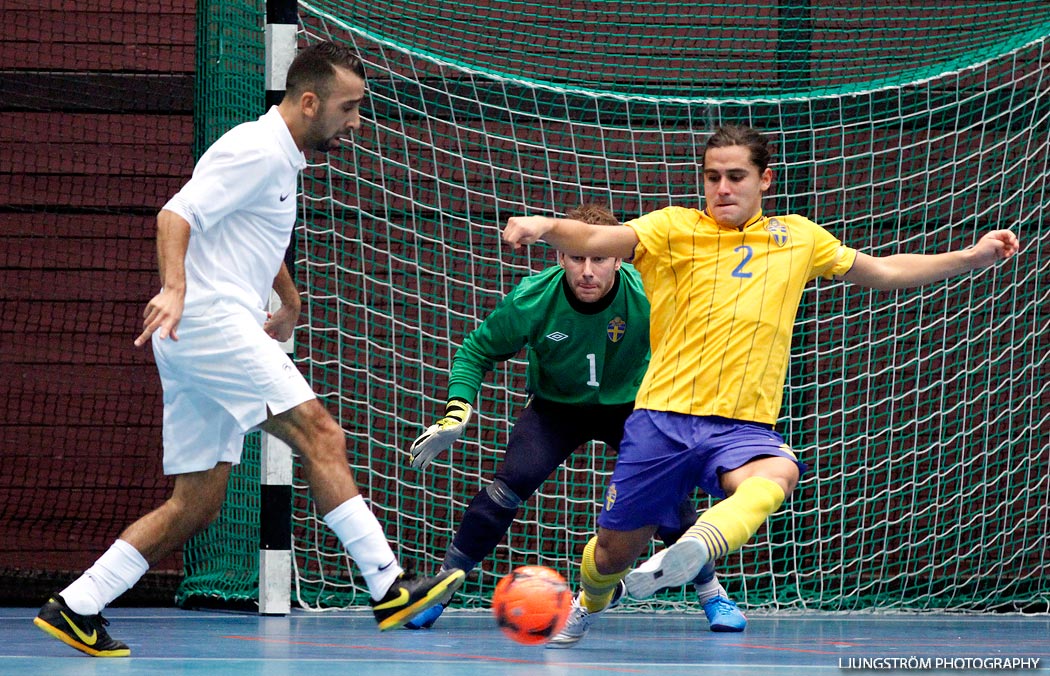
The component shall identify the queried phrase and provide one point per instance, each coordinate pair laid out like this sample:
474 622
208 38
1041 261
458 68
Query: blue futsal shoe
723 615
426 619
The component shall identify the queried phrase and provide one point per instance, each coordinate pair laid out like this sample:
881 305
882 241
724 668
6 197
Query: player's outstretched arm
574 238
901 271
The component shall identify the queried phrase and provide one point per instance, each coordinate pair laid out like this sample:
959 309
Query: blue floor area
169 641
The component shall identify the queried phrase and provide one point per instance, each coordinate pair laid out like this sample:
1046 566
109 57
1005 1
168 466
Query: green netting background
923 414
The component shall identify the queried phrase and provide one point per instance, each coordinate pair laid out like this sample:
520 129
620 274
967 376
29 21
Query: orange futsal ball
532 604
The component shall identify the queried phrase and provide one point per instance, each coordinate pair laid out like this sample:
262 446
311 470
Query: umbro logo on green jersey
557 336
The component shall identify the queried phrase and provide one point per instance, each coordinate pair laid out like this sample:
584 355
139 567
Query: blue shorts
664 456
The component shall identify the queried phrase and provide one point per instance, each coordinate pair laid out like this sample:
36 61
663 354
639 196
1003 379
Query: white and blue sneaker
580 621
671 567
723 615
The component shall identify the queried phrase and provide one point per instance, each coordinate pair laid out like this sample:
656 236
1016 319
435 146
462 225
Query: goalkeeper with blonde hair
586 324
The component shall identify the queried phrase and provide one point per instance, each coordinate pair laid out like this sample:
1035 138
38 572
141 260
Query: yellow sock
728 525
597 588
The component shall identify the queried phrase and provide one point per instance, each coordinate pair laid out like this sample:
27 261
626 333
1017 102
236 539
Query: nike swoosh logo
284 197
382 568
88 640
402 599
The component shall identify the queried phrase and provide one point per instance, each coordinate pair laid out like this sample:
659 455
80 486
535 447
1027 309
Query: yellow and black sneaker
411 595
86 633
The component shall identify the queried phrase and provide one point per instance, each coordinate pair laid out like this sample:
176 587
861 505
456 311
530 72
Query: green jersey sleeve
499 337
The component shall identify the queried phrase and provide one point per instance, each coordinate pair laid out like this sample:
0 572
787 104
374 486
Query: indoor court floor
347 643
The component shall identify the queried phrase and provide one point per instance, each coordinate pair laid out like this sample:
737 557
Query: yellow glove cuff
457 410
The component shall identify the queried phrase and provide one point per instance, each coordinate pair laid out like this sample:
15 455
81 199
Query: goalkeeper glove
441 434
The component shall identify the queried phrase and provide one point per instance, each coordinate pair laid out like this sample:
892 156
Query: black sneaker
86 633
411 595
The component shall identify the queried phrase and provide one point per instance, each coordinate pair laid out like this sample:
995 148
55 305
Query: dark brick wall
96 132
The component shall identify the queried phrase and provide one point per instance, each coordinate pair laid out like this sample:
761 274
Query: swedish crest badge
778 230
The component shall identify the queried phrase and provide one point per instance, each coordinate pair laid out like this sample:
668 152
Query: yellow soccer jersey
723 304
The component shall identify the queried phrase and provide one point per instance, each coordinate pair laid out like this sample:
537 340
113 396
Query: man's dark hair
595 214
313 68
740 135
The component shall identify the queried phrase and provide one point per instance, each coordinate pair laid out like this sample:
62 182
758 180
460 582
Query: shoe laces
95 621
579 616
720 605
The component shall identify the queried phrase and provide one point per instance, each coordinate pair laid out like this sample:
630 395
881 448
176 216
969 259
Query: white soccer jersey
240 204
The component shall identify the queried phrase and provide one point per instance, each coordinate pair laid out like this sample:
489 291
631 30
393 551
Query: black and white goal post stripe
275 470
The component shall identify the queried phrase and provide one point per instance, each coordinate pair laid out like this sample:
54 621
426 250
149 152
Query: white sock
114 573
359 531
709 590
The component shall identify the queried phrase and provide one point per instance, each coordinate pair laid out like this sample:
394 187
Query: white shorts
221 378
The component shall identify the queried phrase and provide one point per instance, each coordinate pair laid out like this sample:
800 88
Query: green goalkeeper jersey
578 353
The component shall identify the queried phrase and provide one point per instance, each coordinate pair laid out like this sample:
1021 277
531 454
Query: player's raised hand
161 316
995 246
522 230
441 434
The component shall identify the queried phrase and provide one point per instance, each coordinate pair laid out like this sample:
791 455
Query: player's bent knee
788 475
502 495
616 551
322 442
782 471
318 425
209 517
198 497
207 508
333 438
195 512
308 428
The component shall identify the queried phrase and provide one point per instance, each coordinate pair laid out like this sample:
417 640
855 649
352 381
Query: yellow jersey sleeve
830 257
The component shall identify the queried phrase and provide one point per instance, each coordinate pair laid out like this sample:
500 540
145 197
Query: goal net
922 414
